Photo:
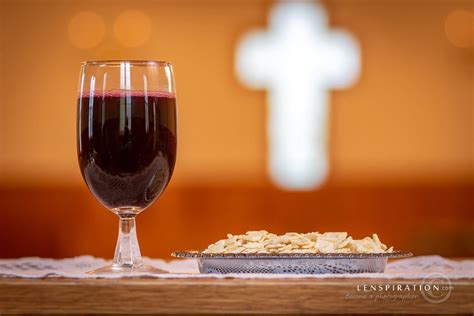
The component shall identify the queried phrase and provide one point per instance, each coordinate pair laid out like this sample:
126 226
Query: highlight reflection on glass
126 132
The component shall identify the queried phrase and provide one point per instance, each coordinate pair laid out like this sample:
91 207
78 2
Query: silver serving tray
291 263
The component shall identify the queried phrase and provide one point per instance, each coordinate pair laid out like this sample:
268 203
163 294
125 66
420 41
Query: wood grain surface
154 296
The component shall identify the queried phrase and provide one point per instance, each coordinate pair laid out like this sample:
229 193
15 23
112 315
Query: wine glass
126 143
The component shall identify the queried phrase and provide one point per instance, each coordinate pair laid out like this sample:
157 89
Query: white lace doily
410 268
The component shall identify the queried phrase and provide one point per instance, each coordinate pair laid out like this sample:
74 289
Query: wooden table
153 296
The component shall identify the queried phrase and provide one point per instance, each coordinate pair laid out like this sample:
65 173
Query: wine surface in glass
127 146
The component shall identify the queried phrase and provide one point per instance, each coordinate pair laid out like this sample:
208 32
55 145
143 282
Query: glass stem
127 250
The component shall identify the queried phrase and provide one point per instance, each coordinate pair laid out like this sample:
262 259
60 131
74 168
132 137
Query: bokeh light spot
86 30
132 28
459 28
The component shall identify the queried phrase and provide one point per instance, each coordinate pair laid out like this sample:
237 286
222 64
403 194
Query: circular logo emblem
436 288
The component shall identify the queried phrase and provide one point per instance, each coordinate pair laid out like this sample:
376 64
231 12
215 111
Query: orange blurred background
400 139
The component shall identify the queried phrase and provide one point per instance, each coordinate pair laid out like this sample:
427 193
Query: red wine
126 145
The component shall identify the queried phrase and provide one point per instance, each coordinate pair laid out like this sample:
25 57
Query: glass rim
116 62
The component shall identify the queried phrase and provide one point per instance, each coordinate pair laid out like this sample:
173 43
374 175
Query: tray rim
396 254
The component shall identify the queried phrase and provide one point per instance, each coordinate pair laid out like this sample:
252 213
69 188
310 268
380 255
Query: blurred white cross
297 60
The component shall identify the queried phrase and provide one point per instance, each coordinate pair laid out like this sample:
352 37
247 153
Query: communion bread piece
264 242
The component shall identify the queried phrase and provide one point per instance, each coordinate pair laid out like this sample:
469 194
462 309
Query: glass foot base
111 269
